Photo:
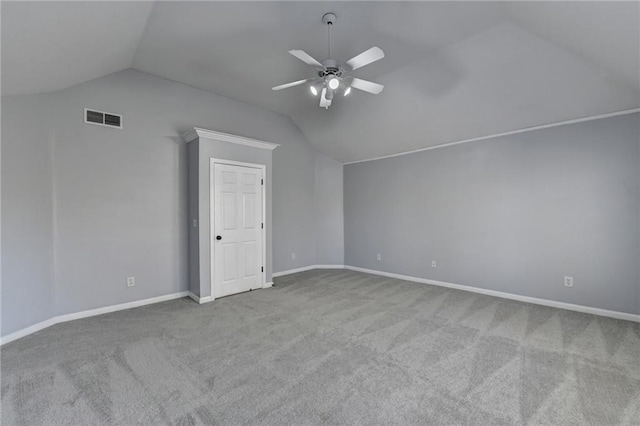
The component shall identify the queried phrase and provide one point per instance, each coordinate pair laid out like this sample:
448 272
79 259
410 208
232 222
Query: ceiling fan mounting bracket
329 18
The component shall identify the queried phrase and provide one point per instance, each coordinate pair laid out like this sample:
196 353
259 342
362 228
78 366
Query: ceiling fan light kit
333 75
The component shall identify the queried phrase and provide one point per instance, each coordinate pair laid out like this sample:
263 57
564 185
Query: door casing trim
263 169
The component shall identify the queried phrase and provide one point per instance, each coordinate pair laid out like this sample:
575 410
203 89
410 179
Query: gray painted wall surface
514 214
121 195
27 213
294 207
329 211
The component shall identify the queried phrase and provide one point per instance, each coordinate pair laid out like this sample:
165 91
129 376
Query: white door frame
263 169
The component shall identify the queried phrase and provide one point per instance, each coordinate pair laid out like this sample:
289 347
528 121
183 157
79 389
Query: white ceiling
453 70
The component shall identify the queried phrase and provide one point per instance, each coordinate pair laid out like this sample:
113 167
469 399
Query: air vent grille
112 120
102 118
95 117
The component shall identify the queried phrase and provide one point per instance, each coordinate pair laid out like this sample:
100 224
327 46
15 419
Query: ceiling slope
500 80
48 46
452 71
604 33
240 49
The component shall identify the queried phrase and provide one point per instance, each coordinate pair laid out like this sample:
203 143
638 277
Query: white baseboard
119 307
544 302
28 330
329 266
268 285
99 311
293 271
305 268
88 313
199 299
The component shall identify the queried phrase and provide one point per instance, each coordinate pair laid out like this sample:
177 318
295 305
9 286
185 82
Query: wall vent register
101 118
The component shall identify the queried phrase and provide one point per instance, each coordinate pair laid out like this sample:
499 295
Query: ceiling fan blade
292 84
366 86
305 57
365 58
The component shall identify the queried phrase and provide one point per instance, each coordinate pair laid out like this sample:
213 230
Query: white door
237 229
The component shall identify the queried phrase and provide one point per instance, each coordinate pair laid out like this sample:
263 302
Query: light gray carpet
328 347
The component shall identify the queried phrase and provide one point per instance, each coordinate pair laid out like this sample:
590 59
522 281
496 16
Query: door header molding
197 132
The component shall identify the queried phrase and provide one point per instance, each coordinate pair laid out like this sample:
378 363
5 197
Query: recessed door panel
249 211
249 179
250 256
230 261
229 210
237 238
229 177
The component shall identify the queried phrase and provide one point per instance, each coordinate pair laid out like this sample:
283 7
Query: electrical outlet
434 263
195 223
378 257
131 281
568 281
293 256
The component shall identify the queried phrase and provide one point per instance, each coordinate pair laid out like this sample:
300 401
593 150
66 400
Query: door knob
219 237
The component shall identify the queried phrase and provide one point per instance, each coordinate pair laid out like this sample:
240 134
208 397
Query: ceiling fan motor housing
331 68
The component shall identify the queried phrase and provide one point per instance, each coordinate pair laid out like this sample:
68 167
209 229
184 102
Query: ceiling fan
332 75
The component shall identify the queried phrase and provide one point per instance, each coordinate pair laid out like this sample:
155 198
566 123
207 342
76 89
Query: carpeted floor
328 347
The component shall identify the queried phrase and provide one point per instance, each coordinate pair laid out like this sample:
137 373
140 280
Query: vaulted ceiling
452 71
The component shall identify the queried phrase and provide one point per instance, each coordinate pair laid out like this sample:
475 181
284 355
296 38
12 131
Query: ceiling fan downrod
329 19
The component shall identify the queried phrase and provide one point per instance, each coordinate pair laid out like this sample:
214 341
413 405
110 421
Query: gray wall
27 213
514 214
294 207
123 213
121 195
329 211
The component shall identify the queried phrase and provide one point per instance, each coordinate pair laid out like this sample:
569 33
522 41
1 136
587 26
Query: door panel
230 261
237 256
229 210
250 254
248 210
